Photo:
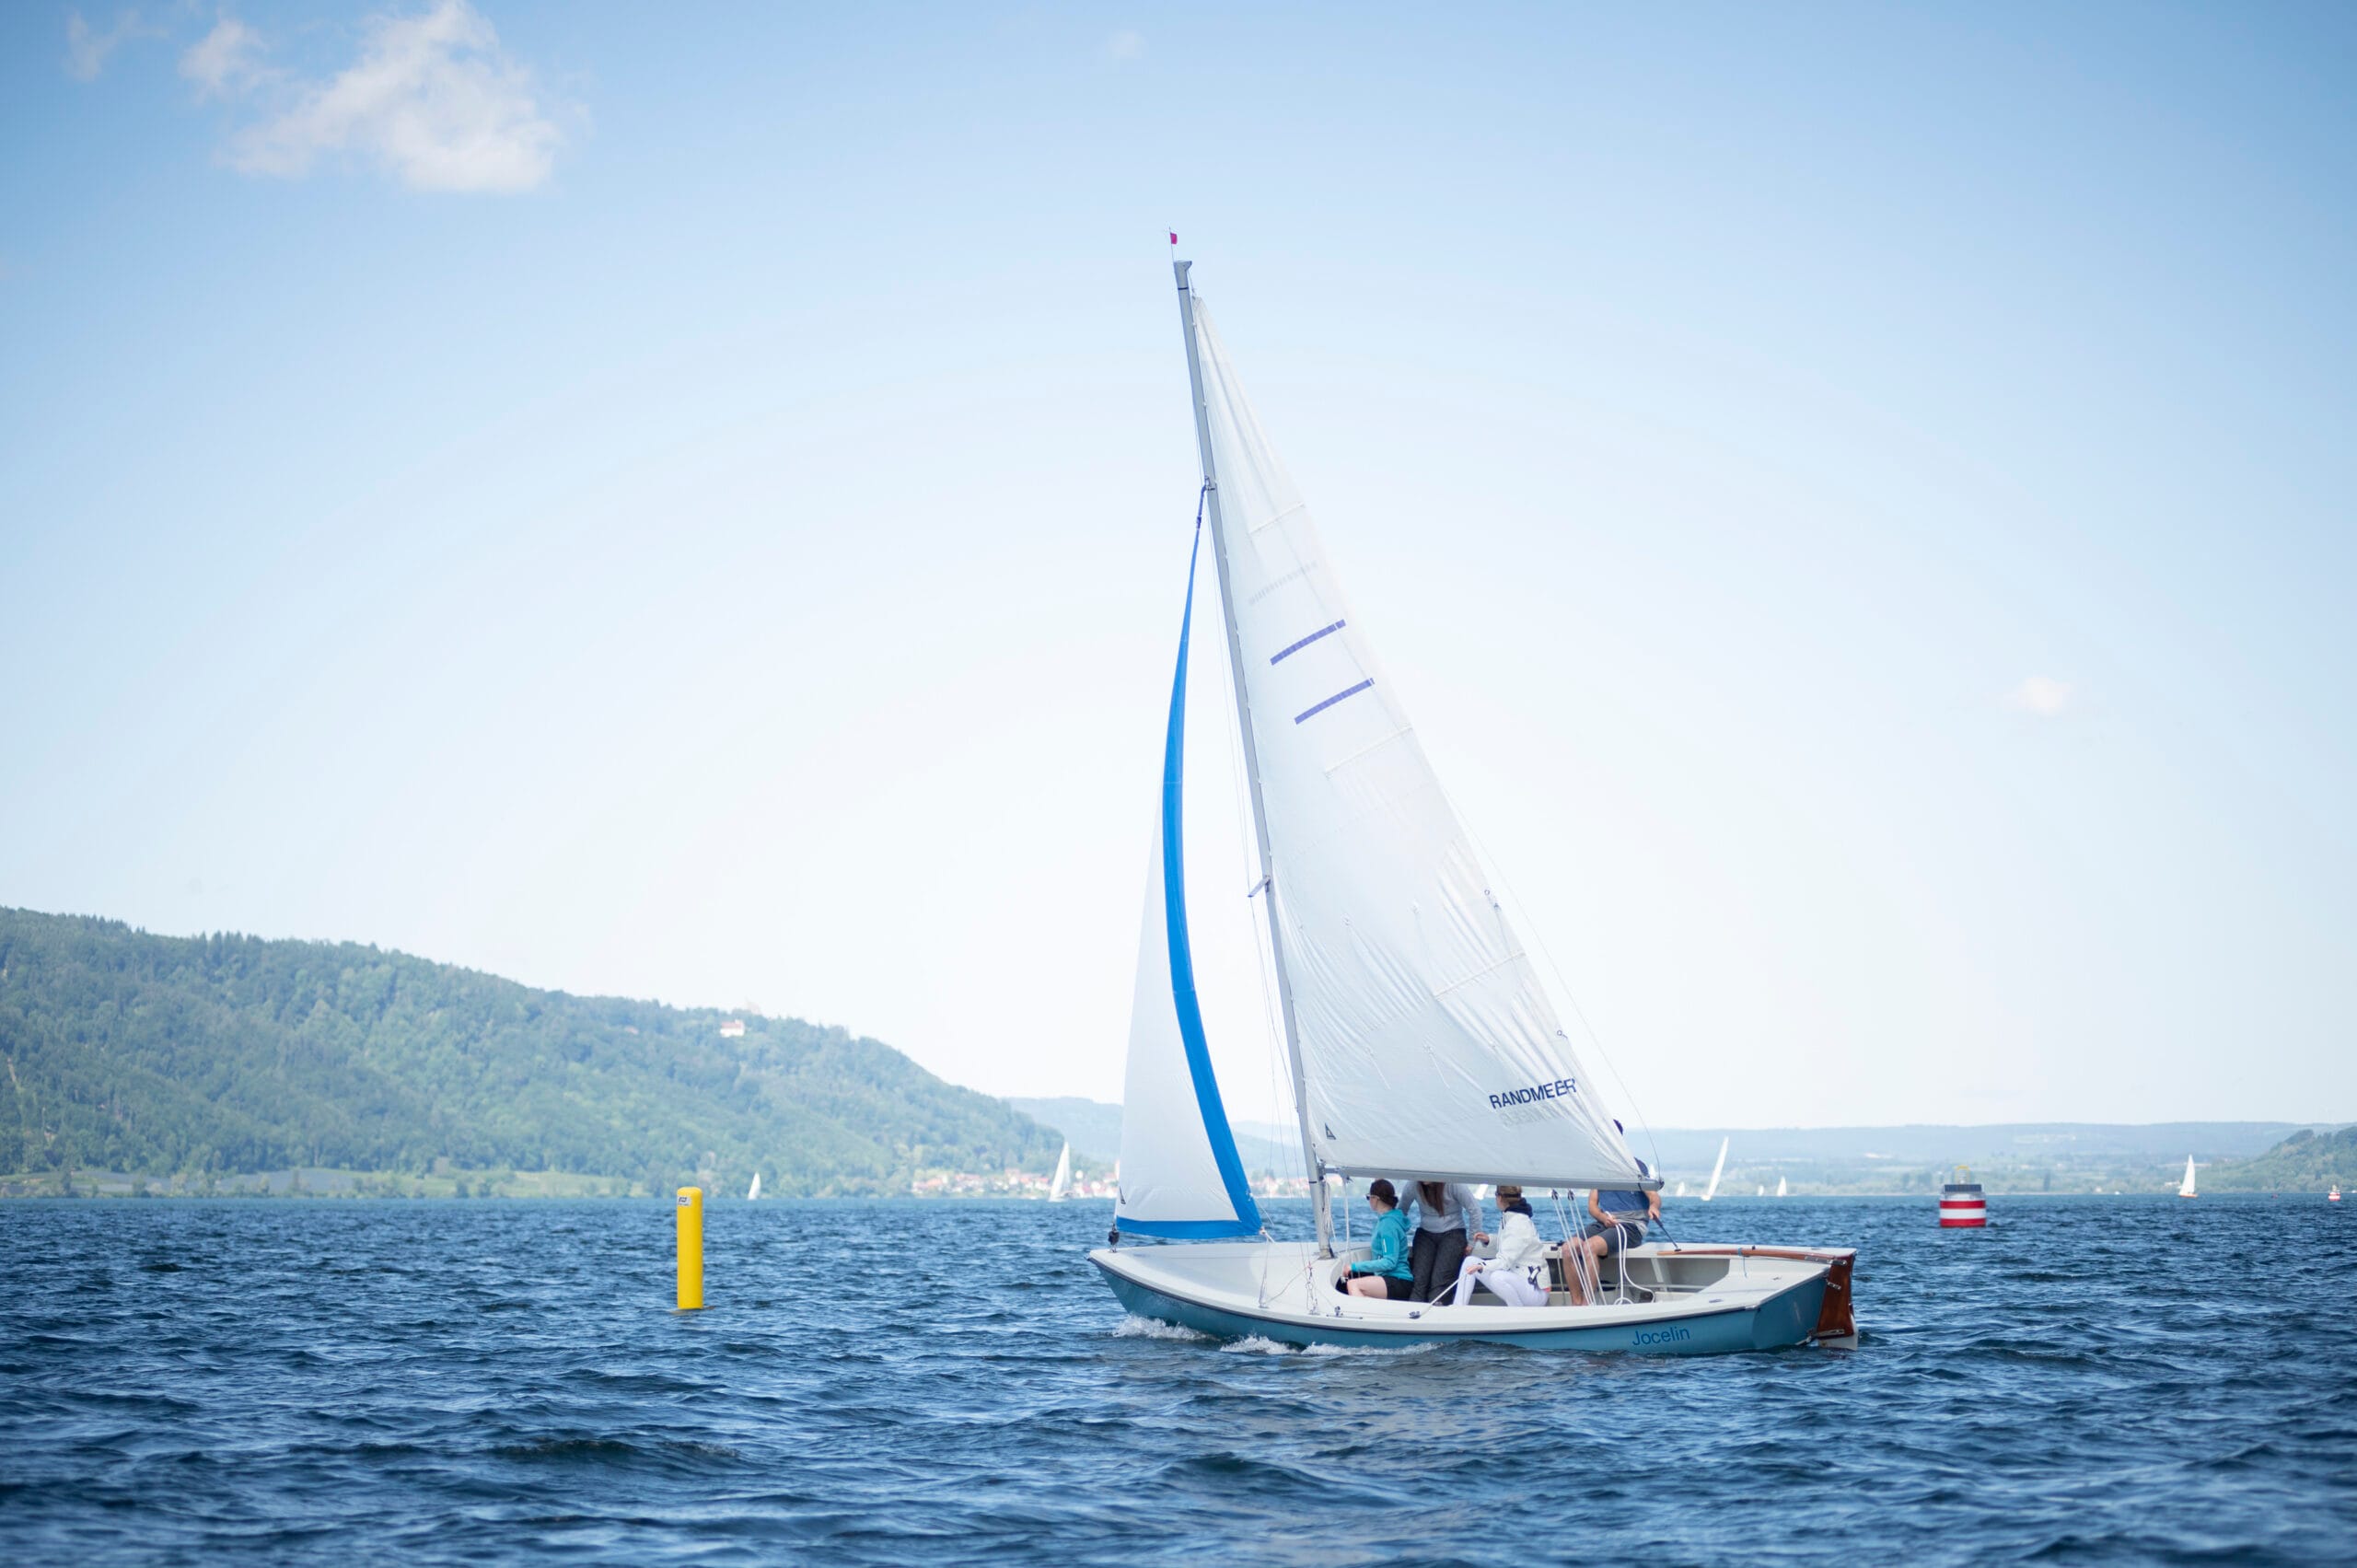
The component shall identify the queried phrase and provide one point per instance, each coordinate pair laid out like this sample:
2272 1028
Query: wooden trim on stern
1835 1320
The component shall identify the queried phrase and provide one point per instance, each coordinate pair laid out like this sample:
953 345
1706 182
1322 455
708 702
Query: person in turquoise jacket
1387 1275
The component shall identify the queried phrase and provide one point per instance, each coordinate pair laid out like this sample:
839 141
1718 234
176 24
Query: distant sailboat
1782 1191
1064 1176
1717 1171
1681 1190
755 1190
1763 1191
2185 1189
2333 1196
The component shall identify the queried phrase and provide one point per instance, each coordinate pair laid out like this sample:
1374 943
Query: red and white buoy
1962 1203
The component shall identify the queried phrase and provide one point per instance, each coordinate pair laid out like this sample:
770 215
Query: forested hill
133 1052
2307 1161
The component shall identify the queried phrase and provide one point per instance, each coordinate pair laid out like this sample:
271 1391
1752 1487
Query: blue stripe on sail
1180 1230
1321 632
1312 711
1183 960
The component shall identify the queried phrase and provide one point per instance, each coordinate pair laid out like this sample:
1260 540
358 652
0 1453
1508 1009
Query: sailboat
2185 1188
1420 1043
1681 1190
1717 1171
1782 1191
755 1190
1064 1175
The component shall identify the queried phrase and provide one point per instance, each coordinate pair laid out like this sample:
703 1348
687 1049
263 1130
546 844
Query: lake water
2132 1380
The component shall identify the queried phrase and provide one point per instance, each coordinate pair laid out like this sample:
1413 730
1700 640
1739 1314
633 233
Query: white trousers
1512 1286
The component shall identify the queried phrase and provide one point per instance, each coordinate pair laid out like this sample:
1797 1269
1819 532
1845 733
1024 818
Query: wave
1154 1329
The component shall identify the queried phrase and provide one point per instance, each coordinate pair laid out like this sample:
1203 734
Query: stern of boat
1835 1319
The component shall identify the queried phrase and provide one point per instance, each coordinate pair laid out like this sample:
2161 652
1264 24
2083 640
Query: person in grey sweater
1447 1214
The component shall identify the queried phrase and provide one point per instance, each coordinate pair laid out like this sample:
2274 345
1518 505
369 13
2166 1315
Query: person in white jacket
1517 1275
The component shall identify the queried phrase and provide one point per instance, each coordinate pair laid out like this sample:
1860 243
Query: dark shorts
1619 1235
1393 1289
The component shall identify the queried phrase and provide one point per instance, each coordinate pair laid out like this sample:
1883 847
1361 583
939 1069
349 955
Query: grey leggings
1433 1257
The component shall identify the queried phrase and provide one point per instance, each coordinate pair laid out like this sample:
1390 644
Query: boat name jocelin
1661 1336
1561 1088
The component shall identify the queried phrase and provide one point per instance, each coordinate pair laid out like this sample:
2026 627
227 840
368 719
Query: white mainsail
1717 1171
1427 1046
755 1190
1064 1175
2185 1189
1782 1189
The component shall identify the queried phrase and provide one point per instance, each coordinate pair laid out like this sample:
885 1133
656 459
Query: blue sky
693 505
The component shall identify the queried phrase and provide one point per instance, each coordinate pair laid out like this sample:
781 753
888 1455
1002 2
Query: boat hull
1789 1313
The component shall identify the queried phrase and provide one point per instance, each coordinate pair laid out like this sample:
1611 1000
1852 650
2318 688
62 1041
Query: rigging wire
1537 939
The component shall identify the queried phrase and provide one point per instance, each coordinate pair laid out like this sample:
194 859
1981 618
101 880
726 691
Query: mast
1268 888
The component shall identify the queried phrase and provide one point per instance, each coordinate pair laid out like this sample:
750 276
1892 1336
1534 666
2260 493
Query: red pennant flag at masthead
1174 239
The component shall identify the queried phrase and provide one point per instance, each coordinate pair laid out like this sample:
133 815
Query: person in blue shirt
1621 1217
1386 1275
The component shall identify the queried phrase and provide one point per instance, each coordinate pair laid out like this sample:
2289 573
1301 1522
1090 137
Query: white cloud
87 52
433 101
1125 45
2040 694
222 62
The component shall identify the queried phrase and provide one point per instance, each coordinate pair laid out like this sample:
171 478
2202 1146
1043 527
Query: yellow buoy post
691 1249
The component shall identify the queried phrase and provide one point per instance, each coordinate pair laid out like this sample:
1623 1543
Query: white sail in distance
1717 1171
1064 1176
2185 1189
1428 1046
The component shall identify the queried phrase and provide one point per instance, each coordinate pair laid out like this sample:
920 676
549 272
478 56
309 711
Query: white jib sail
1064 1176
1178 1174
2185 1188
1428 1045
1717 1171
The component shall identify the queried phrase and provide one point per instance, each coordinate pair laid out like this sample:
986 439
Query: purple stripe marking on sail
1321 632
1314 712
